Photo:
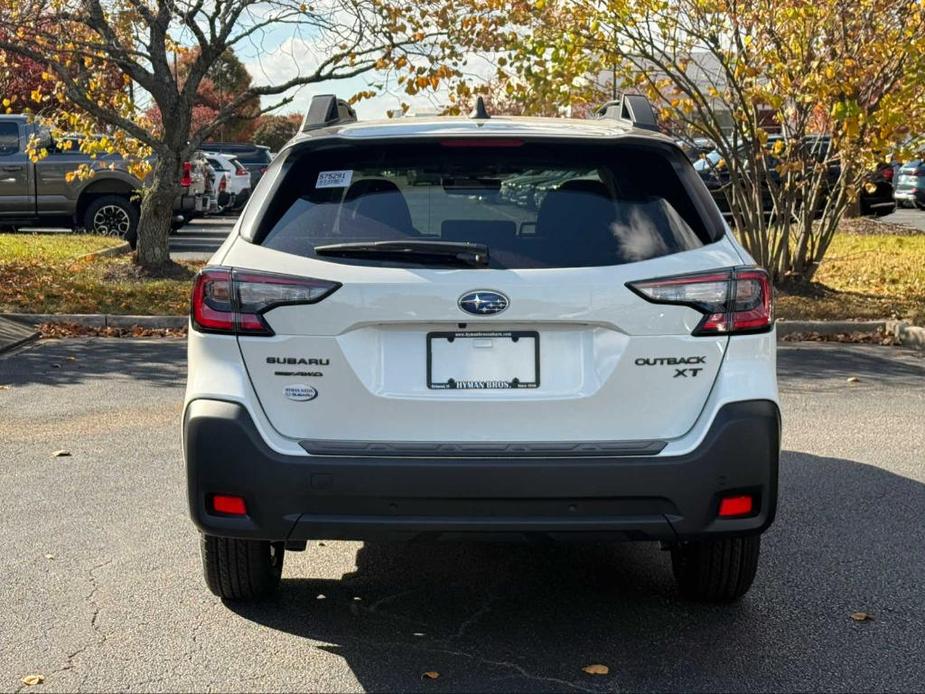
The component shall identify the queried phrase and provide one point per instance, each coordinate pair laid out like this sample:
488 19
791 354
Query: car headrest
379 200
582 202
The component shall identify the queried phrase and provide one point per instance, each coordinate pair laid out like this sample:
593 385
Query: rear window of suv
534 205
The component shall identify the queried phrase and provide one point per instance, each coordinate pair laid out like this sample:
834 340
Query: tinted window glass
533 205
9 138
260 156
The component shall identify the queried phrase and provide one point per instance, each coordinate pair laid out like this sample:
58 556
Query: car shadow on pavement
520 617
798 364
65 362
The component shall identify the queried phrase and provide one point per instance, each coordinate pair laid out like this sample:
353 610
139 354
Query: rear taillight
887 173
186 179
240 171
736 300
234 301
221 185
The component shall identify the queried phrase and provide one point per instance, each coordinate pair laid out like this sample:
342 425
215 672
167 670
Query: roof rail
634 109
325 110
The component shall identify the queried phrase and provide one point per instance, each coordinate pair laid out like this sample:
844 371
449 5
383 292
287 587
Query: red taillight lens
229 505
888 173
226 301
737 300
186 178
222 184
240 171
736 506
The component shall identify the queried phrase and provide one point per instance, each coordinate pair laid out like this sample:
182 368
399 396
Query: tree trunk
157 214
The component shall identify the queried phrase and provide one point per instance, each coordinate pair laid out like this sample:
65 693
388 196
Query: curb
907 334
121 249
14 334
829 327
100 320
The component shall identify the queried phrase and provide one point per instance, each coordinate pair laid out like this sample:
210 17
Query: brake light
482 142
221 185
234 301
240 171
736 300
887 173
186 179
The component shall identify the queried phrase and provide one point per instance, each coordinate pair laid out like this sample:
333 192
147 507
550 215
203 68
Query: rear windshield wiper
475 254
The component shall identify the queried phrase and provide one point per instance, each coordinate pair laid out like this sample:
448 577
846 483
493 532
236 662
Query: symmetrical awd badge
483 302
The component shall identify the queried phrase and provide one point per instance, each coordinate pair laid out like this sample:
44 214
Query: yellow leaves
596 669
861 617
430 675
32 680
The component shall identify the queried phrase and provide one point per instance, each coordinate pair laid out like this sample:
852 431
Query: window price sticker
333 179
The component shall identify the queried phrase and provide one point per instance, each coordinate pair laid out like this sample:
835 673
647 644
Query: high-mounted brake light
735 300
482 142
234 301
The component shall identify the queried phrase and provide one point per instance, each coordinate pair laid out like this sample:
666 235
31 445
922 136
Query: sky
283 54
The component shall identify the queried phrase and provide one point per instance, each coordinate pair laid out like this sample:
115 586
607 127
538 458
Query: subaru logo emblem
483 302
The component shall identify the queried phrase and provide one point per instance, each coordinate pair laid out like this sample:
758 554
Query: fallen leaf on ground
418 633
430 675
61 454
861 617
49 556
4 387
56 366
30 680
854 379
72 358
320 597
596 669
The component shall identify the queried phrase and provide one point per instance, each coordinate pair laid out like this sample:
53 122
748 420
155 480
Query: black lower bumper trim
374 496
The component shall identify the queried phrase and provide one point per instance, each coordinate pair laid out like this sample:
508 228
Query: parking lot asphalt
101 586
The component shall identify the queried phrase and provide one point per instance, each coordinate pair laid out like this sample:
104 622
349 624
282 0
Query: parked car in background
255 158
236 180
34 193
875 196
910 184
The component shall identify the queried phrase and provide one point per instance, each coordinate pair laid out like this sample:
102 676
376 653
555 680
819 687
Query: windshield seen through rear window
531 205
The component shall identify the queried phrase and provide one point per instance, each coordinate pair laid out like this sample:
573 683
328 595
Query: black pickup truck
38 193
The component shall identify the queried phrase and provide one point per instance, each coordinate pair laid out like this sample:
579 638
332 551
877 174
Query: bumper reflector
734 506
229 505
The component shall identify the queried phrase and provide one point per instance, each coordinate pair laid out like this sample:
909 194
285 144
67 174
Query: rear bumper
910 195
628 497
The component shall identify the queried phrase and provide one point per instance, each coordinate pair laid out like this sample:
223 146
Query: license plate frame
484 384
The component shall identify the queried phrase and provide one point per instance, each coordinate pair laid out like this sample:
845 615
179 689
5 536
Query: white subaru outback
469 327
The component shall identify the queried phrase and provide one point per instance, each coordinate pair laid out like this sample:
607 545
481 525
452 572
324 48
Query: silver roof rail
325 110
634 109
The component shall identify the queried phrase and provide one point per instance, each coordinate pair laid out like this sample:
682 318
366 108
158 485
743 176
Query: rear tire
112 215
719 570
241 569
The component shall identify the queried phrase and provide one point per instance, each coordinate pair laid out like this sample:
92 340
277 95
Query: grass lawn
864 276
43 273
